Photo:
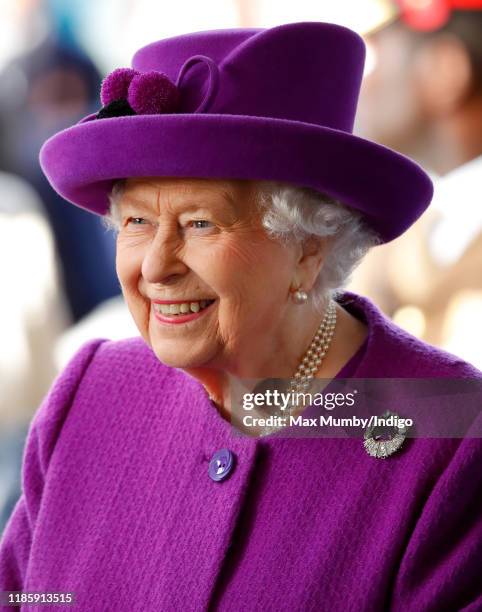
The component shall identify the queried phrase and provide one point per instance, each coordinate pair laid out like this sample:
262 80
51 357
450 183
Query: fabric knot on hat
126 91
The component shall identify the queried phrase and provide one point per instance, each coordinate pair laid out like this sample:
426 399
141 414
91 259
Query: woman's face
197 247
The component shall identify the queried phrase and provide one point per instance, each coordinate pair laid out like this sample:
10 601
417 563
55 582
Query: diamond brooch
383 440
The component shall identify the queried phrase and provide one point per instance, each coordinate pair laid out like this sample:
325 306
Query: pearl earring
299 296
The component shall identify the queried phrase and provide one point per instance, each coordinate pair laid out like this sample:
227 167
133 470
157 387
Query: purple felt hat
273 104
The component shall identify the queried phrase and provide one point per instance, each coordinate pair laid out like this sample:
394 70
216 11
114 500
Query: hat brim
82 162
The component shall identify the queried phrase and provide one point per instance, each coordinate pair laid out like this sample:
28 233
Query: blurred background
421 95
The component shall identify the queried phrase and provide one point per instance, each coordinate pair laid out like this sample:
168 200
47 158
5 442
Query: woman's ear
312 254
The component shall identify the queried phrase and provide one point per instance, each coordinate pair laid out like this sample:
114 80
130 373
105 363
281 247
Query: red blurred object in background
427 15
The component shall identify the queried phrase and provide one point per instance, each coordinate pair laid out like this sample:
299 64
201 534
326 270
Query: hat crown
309 72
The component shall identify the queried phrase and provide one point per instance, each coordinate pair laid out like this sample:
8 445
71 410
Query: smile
180 312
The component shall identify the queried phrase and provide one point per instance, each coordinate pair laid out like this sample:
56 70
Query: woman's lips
180 318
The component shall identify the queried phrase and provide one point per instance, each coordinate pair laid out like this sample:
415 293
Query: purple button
221 464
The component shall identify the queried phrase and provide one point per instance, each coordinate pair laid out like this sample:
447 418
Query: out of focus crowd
57 261
421 95
423 98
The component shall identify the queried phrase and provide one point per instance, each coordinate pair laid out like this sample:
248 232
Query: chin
178 358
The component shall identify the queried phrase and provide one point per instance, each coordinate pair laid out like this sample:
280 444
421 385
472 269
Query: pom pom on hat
151 93
126 91
116 85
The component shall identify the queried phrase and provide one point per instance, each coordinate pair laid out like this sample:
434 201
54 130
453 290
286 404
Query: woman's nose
162 257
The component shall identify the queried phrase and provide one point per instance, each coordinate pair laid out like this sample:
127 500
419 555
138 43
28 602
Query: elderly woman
242 201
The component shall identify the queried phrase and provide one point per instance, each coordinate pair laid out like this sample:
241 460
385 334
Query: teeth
184 308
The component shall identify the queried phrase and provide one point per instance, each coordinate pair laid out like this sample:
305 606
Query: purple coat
118 507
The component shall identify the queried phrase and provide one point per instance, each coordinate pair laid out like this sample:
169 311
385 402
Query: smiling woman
182 242
228 280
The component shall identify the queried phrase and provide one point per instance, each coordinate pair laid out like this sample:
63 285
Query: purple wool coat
117 505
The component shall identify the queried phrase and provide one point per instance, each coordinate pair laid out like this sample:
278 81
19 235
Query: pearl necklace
310 364
311 361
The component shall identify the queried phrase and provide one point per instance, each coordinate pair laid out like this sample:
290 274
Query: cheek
128 265
241 272
128 268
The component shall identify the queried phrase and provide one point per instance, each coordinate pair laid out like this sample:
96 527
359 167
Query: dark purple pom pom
153 92
116 84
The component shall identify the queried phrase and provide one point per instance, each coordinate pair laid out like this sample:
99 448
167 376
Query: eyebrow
191 201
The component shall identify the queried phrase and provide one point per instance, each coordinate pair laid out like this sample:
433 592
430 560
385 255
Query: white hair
293 214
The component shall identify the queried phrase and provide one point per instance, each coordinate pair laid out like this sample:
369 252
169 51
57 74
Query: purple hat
261 104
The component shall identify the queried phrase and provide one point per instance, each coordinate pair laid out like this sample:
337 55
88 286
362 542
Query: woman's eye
135 221
200 223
